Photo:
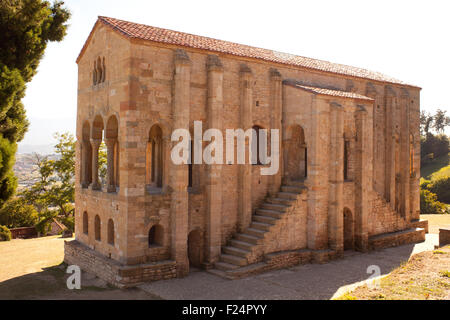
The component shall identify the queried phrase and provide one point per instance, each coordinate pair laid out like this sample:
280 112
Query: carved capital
181 58
244 69
389 91
371 91
95 143
275 74
213 63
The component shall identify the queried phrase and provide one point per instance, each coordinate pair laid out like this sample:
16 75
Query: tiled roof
149 33
328 92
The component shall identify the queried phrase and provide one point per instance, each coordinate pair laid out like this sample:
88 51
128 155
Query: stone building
349 158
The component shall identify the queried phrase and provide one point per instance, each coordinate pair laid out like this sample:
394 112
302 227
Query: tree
426 122
55 187
26 26
441 121
17 214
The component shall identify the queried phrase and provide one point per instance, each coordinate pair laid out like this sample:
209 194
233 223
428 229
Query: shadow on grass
51 284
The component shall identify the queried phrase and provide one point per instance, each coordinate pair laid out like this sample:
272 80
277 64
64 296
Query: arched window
346 156
156 236
85 223
110 232
86 156
97 225
103 70
99 71
111 135
191 164
94 74
154 158
256 139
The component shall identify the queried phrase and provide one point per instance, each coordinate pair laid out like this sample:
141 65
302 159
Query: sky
407 40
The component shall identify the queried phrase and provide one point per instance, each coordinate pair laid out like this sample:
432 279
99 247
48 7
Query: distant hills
43 149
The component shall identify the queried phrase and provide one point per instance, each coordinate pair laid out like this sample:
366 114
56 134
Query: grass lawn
34 269
426 276
440 167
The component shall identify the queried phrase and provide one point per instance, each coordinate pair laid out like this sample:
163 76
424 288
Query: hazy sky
408 40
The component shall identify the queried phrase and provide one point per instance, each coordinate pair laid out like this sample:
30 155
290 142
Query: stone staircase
240 250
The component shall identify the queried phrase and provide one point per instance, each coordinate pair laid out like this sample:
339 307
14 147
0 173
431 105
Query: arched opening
195 248
94 74
156 236
96 142
97 225
296 162
85 223
349 230
154 158
86 156
110 232
111 136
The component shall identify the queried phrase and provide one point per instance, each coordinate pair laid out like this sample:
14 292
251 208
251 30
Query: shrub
17 214
5 234
440 187
429 203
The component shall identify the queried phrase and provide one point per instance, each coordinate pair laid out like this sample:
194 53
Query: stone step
255 232
292 189
260 225
288 195
286 202
244 245
264 219
237 261
275 207
235 251
269 213
247 238
225 266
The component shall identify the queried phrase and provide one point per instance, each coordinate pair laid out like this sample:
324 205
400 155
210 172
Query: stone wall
397 238
444 237
111 271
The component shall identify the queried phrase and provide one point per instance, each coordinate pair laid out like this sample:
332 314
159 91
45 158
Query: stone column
179 207
363 178
245 170
276 116
214 171
317 182
390 174
110 183
404 155
336 179
84 164
95 143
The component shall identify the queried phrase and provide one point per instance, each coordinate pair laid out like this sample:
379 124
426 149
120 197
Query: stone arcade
349 158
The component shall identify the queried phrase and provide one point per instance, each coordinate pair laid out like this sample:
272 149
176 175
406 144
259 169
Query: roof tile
144 32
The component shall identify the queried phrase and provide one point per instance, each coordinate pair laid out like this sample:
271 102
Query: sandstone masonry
349 158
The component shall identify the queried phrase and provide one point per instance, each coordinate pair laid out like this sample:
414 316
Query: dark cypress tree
26 26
